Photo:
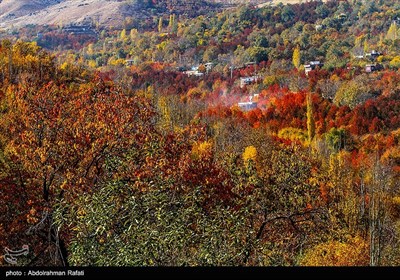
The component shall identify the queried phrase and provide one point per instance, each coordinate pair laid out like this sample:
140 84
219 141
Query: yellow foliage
343 156
201 149
270 80
165 112
196 93
92 63
396 201
353 252
162 45
64 66
392 32
395 62
250 153
296 57
116 62
293 134
81 213
358 41
123 34
380 58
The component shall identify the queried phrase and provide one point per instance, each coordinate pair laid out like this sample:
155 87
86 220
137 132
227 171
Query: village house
373 54
209 66
372 67
195 73
129 62
342 16
312 65
248 80
247 106
79 30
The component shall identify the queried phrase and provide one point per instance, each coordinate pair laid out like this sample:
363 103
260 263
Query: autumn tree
59 139
296 57
123 34
310 119
354 92
160 24
335 253
380 184
392 32
172 25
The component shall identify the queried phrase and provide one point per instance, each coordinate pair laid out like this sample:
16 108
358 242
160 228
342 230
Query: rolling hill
47 12
19 13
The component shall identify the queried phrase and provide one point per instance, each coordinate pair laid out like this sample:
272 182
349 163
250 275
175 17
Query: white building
247 106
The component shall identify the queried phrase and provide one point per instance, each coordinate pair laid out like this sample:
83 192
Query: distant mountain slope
23 12
19 13
12 8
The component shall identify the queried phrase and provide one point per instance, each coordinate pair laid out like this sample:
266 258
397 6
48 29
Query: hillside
26 12
105 12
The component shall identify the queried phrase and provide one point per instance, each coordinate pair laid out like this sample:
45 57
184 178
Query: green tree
322 11
121 226
257 54
174 28
336 139
210 54
258 38
354 92
287 13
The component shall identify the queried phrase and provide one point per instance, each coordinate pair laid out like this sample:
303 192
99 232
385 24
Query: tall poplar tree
296 57
310 118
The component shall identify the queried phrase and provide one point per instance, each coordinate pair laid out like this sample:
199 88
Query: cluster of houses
79 30
251 103
196 71
372 56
